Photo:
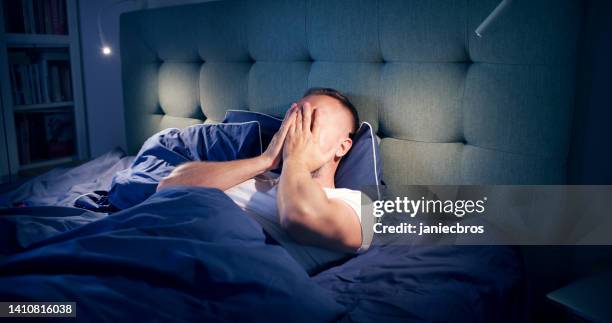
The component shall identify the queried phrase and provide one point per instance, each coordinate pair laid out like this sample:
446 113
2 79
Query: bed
447 106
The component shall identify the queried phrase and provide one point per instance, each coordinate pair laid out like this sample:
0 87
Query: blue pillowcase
267 123
169 148
361 167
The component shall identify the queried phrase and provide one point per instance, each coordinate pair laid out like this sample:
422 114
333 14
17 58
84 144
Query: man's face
335 120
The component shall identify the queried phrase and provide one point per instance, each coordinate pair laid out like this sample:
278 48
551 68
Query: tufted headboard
449 107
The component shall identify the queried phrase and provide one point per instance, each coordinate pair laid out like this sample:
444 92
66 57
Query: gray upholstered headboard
449 107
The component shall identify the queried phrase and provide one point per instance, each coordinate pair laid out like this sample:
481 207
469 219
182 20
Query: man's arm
305 211
221 175
224 175
310 217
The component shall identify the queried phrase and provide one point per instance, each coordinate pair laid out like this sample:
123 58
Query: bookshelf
4 165
43 113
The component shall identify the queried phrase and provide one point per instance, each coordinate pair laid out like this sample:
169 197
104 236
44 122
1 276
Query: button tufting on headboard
450 107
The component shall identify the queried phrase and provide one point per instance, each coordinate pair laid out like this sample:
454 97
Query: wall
102 74
591 156
589 162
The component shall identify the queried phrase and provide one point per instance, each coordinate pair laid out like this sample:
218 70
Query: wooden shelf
42 106
37 40
33 51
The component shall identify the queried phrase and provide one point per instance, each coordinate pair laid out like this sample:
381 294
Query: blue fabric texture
22 227
269 125
184 255
169 148
96 201
62 186
177 254
401 283
189 254
360 168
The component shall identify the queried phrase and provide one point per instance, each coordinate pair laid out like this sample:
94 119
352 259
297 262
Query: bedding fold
62 186
184 254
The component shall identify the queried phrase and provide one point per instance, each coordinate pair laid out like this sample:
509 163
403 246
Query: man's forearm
221 175
298 193
310 217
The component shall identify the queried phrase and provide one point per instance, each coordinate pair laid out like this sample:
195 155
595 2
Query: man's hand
304 210
302 144
273 152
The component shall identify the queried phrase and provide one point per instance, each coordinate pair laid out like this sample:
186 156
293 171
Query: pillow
268 124
169 148
359 168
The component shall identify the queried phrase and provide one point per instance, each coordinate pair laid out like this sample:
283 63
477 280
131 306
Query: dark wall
590 160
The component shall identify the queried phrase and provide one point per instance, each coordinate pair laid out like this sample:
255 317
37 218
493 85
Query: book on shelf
54 81
59 135
35 16
40 77
24 139
47 18
44 136
28 16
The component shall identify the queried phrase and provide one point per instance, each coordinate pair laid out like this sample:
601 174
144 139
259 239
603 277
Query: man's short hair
333 93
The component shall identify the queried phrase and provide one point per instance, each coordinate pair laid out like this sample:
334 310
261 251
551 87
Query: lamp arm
105 45
501 7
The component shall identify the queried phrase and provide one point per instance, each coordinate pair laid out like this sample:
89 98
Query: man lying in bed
302 204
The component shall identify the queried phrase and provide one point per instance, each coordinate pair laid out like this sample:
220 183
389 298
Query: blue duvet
185 254
190 254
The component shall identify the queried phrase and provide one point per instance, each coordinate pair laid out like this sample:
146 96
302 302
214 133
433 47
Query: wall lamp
105 46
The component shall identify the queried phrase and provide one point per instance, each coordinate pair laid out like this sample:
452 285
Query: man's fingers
291 109
288 114
291 129
307 113
289 119
290 133
298 120
316 124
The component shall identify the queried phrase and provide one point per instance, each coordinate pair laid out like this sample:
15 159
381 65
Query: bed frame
449 107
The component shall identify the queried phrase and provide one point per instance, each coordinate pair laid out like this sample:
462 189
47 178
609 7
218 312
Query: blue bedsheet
169 148
185 254
191 254
400 283
62 186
